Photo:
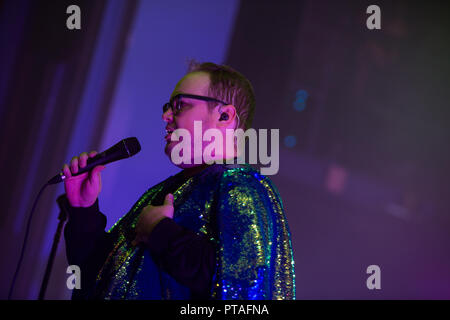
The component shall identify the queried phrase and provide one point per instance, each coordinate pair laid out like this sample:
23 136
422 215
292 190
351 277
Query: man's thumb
94 174
168 200
97 169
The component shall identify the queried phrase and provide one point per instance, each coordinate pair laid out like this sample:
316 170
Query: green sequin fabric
235 207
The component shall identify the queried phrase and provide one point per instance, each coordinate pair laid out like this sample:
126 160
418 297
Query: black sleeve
87 244
186 256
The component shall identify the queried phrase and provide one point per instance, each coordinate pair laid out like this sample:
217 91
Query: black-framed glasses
176 102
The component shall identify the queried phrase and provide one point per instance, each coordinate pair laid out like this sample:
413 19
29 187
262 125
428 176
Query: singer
212 231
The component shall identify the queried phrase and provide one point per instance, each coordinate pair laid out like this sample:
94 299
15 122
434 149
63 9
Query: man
209 232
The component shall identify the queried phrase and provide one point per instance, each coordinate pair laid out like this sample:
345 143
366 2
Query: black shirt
189 258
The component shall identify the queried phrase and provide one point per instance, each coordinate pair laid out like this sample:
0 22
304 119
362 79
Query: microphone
123 149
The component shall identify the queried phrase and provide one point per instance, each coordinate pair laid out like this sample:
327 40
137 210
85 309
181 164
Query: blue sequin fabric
235 207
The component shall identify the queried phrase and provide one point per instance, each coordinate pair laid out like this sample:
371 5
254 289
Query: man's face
196 83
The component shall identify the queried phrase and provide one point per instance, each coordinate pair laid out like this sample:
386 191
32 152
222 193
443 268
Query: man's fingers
79 162
66 171
74 165
92 154
168 200
83 160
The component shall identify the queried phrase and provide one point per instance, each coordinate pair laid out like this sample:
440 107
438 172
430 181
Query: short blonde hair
230 86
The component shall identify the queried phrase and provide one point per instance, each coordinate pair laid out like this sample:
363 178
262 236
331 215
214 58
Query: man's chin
168 151
168 148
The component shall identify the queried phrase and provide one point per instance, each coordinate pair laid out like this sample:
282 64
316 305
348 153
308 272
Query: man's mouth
168 133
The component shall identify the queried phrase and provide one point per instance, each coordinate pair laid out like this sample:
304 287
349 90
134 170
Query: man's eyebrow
177 93
185 99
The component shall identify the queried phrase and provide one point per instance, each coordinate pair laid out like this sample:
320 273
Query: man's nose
168 116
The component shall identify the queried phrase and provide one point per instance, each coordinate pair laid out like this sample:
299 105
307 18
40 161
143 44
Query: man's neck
189 172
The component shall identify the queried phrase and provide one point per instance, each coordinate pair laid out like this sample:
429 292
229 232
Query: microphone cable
11 288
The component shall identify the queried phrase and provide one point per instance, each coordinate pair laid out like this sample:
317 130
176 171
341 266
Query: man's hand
82 190
149 218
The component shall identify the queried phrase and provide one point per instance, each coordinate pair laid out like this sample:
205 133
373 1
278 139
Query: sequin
237 209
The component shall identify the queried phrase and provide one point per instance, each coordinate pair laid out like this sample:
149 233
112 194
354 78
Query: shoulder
244 181
237 181
245 175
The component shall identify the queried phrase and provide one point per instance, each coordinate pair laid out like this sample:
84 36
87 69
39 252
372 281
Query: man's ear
227 115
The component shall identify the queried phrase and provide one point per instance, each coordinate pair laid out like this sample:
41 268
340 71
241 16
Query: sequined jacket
239 212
